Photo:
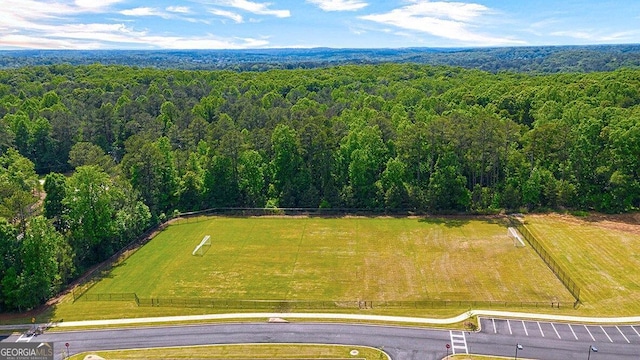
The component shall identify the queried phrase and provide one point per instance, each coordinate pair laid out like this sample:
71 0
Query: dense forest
118 149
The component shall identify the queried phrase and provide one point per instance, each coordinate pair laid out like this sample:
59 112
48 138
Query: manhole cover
354 352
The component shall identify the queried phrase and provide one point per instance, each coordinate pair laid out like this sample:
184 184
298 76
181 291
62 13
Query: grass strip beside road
244 351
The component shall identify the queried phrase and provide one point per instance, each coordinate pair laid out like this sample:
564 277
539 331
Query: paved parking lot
629 334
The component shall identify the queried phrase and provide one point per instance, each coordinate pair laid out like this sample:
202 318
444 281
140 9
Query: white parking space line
573 332
590 334
540 327
509 325
636 331
608 337
525 328
621 333
495 331
554 329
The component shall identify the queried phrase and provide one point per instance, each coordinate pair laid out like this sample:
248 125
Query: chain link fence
545 255
289 305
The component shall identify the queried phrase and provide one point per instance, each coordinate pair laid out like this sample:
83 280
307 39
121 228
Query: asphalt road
401 343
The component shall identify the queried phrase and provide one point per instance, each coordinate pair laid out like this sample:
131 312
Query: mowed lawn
371 259
243 352
603 257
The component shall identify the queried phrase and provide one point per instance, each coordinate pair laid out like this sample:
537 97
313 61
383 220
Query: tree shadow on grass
446 221
43 314
453 221
629 218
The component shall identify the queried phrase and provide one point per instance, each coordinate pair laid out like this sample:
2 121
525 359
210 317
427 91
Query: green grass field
602 256
348 259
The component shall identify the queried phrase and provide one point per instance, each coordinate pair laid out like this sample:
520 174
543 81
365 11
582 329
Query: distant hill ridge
539 59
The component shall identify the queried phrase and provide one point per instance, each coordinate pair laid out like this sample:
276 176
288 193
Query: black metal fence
555 267
110 297
97 273
242 212
289 305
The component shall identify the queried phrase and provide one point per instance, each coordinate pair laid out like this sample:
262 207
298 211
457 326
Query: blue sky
239 24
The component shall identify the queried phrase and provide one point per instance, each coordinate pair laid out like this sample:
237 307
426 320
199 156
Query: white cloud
31 9
30 15
545 24
227 14
449 20
69 36
593 36
357 31
622 36
145 11
110 33
194 21
208 42
37 42
254 7
19 15
339 5
95 5
574 34
45 24
538 28
179 9
106 36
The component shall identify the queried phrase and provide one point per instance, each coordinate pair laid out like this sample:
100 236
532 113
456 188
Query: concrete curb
236 316
381 318
358 317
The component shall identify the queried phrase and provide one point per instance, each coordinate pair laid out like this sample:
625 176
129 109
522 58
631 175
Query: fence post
554 266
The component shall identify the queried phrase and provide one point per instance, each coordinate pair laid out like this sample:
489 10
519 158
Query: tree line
541 59
120 147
